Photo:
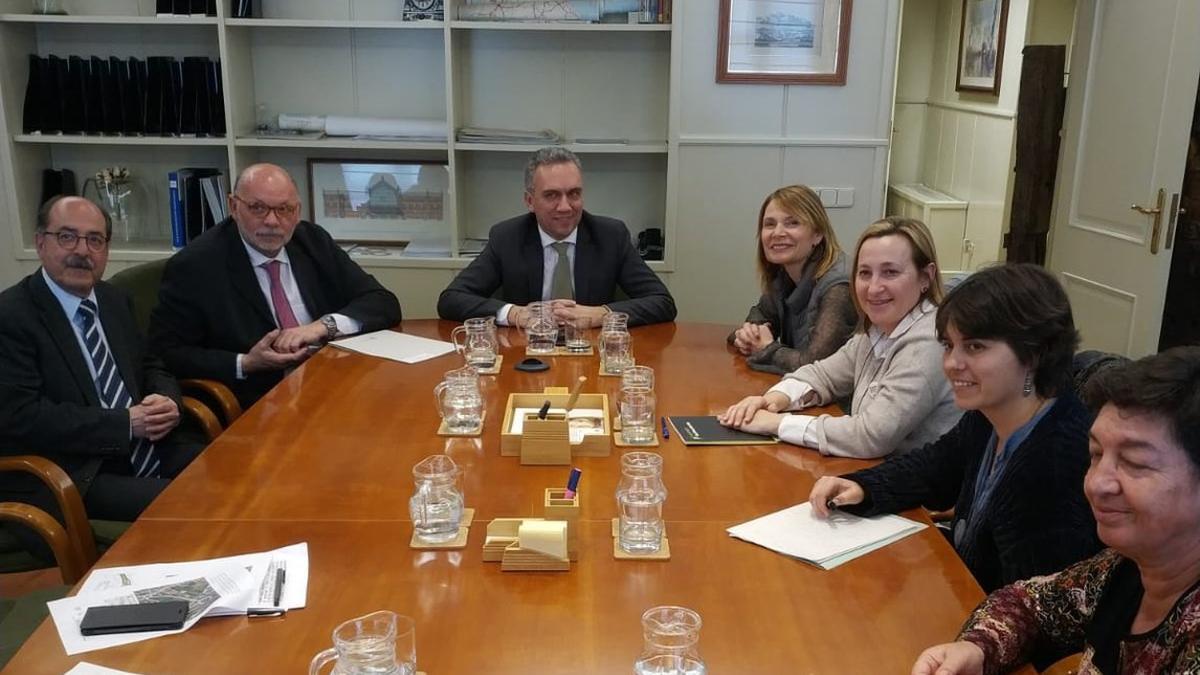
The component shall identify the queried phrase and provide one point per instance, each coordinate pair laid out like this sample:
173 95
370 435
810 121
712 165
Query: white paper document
824 542
581 421
218 587
402 347
85 668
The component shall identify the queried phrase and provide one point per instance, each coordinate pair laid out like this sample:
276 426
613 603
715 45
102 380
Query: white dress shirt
797 429
549 263
345 324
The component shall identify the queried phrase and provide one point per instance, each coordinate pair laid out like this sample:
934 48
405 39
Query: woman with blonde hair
805 312
891 368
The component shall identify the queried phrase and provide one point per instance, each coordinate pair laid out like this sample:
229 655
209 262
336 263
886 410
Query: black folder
135 101
196 217
216 98
54 97
104 121
32 118
75 110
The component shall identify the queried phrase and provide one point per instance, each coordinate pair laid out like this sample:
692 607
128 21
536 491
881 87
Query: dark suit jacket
48 400
512 262
211 308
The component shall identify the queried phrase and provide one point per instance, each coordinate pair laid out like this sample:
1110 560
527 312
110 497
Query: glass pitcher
436 507
640 497
542 329
380 643
670 635
479 344
459 401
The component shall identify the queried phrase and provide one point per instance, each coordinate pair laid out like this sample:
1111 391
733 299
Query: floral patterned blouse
1087 607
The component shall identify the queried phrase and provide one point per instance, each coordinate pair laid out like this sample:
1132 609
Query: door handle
1157 212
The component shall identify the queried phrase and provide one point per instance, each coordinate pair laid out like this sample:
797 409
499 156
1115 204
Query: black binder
54 97
76 97
32 119
118 73
102 118
216 98
57 182
241 9
135 102
155 81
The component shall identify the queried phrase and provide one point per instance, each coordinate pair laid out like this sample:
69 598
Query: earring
924 289
1028 388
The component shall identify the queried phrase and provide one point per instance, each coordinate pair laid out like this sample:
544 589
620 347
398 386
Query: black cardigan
1037 520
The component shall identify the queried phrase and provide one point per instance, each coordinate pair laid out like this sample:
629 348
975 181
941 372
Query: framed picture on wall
981 45
381 202
783 42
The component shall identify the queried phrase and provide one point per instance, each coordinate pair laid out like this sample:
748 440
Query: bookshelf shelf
336 143
563 26
74 139
321 24
578 148
110 19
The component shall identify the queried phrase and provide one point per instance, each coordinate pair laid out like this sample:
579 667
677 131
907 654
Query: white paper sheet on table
85 668
225 586
824 542
402 347
261 567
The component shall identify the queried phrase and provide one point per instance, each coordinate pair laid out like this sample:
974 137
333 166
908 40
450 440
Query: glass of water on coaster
616 352
476 340
576 333
637 376
436 507
380 643
636 406
640 497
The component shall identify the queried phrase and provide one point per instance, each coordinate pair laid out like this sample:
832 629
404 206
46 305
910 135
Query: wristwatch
331 329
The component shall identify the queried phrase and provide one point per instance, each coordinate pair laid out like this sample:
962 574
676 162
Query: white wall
738 142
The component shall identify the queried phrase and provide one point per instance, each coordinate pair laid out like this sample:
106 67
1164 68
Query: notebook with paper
826 543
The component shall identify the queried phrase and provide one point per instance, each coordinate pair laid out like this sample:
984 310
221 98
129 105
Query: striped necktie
111 388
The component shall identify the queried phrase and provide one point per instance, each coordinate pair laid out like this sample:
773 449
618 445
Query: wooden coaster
495 369
460 541
663 552
619 441
559 350
605 373
443 431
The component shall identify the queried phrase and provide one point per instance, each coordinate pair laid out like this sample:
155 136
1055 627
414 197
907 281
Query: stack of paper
219 587
824 542
490 135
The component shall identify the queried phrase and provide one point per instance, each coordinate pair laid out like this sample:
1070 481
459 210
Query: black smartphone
106 619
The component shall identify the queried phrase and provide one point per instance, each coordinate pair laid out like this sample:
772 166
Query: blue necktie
111 388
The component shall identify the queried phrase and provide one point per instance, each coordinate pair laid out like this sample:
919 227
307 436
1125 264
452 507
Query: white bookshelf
611 83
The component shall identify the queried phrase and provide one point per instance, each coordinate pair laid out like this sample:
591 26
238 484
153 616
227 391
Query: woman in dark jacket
805 312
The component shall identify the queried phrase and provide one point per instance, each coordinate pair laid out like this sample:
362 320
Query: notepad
706 430
823 542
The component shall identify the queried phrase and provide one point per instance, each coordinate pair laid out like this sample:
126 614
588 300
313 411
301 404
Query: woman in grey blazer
891 368
805 312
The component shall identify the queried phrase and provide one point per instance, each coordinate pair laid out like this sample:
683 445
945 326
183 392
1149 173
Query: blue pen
666 434
573 482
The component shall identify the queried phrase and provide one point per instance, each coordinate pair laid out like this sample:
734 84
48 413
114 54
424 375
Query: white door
1131 93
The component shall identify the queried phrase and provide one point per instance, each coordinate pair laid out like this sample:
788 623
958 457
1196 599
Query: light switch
829 197
845 197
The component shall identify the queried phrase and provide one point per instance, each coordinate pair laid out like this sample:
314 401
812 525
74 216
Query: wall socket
835 198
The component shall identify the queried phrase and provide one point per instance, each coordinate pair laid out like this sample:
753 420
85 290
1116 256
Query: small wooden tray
458 542
619 439
663 552
495 369
443 431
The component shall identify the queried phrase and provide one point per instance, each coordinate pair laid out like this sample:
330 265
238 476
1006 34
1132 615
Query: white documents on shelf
402 347
824 542
226 586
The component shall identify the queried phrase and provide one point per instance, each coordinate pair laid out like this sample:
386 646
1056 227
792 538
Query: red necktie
283 309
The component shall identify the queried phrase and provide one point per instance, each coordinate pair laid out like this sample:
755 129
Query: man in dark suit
76 383
256 294
557 252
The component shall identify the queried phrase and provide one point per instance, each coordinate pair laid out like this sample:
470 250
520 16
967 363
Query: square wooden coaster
606 373
663 552
443 431
495 369
458 542
619 441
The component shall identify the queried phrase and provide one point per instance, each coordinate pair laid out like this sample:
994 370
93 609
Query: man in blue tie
77 385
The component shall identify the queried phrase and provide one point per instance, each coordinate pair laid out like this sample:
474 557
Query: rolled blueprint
343 125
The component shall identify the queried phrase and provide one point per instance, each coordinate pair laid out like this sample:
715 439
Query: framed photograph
783 41
403 202
424 10
981 45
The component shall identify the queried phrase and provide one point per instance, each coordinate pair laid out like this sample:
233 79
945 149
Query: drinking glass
640 497
576 331
380 643
436 506
670 636
636 406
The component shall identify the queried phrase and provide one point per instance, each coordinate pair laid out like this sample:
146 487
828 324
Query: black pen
544 411
266 611
280 574
831 505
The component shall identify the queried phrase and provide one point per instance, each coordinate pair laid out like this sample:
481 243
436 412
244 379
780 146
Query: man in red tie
249 298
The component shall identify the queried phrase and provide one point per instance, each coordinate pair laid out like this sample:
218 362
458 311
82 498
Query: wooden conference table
326 458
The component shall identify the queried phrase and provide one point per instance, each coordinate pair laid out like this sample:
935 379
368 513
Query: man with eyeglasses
77 385
255 295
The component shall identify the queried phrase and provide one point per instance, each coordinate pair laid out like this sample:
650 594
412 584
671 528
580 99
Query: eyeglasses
68 240
260 210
